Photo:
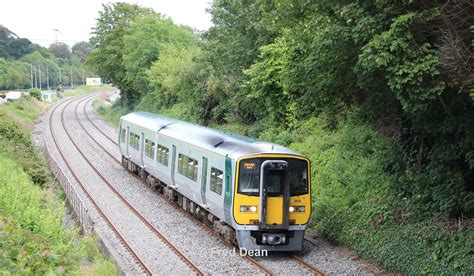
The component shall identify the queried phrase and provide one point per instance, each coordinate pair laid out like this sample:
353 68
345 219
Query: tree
11 45
4 75
60 50
232 45
113 24
82 49
19 47
148 36
35 93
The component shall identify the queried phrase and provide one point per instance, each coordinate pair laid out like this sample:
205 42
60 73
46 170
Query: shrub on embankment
33 237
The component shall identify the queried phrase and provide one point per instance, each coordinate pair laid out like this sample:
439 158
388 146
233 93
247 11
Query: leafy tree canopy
60 50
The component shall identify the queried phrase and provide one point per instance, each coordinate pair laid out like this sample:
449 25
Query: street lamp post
31 74
36 78
47 76
39 74
72 80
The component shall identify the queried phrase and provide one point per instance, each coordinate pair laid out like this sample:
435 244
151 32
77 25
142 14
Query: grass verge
83 89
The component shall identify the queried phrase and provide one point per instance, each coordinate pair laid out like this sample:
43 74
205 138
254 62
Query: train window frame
149 148
134 140
217 180
188 167
162 155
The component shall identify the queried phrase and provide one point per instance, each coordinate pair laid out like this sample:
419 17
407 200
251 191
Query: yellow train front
272 201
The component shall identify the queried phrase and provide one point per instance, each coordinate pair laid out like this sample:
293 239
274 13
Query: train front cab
272 202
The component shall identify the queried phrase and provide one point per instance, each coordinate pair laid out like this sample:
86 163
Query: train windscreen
249 177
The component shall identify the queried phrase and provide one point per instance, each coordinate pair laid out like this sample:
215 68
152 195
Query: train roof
220 142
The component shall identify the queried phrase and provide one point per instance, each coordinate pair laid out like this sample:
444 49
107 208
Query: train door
173 163
204 179
142 148
227 189
127 141
274 195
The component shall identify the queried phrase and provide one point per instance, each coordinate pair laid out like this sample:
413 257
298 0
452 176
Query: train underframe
218 226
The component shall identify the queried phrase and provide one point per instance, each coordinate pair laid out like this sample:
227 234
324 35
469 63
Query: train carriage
255 194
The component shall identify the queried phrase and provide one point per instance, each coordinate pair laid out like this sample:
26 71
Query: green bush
110 113
35 93
32 237
15 126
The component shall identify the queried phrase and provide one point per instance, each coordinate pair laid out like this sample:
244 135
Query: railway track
264 269
146 267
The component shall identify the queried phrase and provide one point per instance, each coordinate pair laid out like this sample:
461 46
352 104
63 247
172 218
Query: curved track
134 252
297 259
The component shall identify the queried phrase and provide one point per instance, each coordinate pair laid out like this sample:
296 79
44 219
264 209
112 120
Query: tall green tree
143 44
108 35
232 44
82 49
60 50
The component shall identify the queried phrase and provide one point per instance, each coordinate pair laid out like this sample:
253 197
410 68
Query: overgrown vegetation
378 94
33 236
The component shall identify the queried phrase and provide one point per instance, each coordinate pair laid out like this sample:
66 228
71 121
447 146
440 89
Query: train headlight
295 209
248 209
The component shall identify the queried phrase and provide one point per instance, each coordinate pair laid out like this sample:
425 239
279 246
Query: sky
37 19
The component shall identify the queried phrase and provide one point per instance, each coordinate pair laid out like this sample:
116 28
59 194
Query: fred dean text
242 252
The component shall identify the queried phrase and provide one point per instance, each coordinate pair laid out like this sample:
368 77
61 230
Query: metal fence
77 205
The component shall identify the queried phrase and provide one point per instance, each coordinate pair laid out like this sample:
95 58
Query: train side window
162 154
216 180
188 166
149 148
134 140
122 135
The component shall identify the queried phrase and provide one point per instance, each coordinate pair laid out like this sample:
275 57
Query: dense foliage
380 95
33 237
25 65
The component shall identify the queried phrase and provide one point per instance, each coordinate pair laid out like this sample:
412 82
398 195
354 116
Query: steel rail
175 250
95 125
307 265
128 247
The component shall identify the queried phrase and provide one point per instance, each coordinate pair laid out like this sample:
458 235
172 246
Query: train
256 194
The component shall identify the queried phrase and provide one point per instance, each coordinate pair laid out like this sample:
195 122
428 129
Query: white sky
36 19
